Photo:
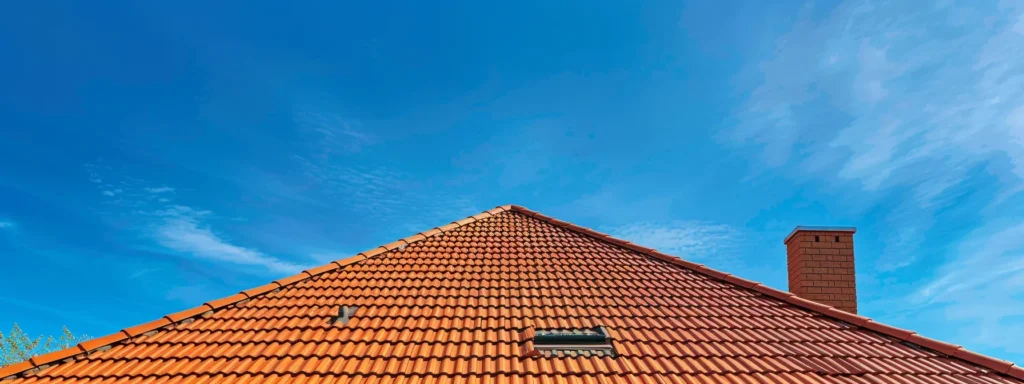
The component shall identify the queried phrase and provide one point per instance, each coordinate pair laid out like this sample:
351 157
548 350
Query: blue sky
156 156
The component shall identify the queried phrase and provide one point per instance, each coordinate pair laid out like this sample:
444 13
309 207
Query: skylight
573 342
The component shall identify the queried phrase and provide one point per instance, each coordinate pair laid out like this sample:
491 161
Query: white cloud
976 287
178 228
182 229
611 203
332 133
375 192
6 224
690 239
987 256
905 102
141 272
894 98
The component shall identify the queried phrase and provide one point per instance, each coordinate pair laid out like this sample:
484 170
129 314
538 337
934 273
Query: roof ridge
1001 366
38 363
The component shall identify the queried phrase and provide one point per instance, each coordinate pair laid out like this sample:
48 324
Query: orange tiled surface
456 307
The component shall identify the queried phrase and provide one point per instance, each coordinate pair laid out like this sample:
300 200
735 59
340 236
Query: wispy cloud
890 99
331 175
612 203
978 286
975 261
6 224
141 273
907 103
332 133
689 239
178 228
182 229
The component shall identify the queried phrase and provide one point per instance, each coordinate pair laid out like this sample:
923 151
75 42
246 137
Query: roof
463 303
803 228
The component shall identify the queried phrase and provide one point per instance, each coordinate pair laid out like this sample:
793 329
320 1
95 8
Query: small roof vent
345 313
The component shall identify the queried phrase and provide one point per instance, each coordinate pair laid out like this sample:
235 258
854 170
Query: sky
157 155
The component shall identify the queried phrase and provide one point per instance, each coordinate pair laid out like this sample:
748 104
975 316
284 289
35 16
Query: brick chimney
820 261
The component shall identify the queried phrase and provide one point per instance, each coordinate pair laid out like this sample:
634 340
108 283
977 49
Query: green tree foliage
17 346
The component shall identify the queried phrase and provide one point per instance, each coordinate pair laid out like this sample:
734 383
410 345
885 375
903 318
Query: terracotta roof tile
461 304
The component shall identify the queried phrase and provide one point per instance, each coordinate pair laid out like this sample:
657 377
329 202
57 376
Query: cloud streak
975 260
182 229
867 99
917 104
331 133
977 287
333 172
689 239
178 228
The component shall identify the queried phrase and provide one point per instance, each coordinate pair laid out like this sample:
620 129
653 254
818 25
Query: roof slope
458 304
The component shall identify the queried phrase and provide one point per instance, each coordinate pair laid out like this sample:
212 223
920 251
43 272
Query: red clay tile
373 252
431 232
15 369
945 348
393 245
997 365
807 304
465 221
847 317
713 273
415 238
898 333
320 269
92 344
292 279
347 261
249 293
772 292
143 328
459 306
190 312
740 281
448 227
55 356
225 301
1015 371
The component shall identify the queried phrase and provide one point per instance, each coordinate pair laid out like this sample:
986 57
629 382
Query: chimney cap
802 228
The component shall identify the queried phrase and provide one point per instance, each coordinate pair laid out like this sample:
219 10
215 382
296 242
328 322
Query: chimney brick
820 268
